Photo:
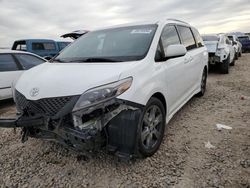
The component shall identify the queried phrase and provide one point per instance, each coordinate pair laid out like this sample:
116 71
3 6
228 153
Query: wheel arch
161 97
206 68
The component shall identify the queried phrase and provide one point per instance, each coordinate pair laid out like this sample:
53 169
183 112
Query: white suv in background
221 51
116 87
237 45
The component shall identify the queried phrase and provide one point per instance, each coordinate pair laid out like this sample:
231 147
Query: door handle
187 60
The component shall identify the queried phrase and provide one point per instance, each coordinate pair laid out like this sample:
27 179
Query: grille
49 106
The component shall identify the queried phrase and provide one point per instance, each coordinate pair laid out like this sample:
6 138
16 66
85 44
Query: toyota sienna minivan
116 88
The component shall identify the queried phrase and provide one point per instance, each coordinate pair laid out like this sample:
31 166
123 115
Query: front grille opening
48 106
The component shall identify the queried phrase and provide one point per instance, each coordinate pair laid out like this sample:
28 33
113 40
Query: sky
21 19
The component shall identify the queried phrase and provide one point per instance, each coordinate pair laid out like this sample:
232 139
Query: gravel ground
182 161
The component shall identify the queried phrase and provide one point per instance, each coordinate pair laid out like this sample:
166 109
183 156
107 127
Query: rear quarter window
187 37
43 46
28 61
198 38
20 45
7 63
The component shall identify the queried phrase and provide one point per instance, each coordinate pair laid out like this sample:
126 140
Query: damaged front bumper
113 124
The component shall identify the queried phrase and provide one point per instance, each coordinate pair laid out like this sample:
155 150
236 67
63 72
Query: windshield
110 45
243 38
210 38
230 38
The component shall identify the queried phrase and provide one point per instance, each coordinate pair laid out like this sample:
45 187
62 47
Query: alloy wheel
151 127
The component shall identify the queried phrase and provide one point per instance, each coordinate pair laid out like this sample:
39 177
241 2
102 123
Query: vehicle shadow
5 104
214 69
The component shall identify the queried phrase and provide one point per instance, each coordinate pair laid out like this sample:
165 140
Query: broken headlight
103 93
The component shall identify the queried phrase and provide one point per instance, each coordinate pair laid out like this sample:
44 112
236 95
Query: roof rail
172 19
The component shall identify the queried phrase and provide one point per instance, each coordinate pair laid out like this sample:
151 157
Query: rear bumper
213 59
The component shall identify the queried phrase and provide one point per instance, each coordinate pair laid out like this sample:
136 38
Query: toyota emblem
34 92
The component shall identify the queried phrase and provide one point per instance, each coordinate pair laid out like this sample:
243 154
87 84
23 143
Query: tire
236 56
152 127
203 84
240 54
224 66
233 62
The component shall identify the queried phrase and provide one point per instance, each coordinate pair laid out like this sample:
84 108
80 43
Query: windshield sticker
141 31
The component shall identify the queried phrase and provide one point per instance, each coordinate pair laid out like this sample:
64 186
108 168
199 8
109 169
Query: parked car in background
221 51
237 45
43 47
75 34
123 85
12 65
245 41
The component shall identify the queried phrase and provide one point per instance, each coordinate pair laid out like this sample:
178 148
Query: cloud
49 19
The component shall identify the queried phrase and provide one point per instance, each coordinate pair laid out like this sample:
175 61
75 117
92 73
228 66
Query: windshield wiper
96 59
57 60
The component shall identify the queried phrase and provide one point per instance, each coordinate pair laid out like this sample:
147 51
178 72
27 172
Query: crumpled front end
113 123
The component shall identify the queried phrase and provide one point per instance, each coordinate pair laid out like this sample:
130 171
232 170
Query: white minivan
116 87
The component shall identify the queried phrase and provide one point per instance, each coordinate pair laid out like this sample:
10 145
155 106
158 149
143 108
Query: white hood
66 79
211 46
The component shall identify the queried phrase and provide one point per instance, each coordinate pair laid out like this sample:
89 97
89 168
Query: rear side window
28 61
187 37
169 36
7 63
20 45
198 38
43 46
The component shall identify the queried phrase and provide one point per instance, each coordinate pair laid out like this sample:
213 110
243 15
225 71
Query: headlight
103 93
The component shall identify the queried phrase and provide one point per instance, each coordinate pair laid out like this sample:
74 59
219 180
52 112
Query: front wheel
203 83
152 128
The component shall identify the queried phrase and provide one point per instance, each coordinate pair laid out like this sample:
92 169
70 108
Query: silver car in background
221 51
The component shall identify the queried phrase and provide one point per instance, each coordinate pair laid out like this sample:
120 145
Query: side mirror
176 50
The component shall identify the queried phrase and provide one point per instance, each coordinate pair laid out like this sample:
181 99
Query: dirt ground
182 161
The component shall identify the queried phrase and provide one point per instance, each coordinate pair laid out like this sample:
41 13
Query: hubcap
151 127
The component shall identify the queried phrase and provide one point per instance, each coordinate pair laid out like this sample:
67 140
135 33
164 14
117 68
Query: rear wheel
236 56
233 62
224 66
152 128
